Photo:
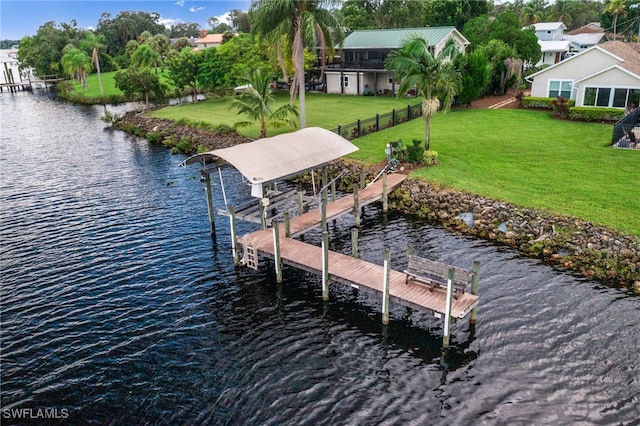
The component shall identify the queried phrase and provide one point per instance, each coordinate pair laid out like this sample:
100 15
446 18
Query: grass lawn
520 156
108 84
529 159
323 110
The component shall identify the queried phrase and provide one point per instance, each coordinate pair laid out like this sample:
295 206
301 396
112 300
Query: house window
560 88
345 81
618 97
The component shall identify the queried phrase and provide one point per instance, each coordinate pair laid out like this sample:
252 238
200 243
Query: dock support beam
385 194
356 204
354 242
447 313
276 250
362 178
323 209
263 215
300 203
207 187
385 286
234 238
287 224
325 265
474 290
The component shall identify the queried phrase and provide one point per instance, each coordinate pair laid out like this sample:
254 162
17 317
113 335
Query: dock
365 276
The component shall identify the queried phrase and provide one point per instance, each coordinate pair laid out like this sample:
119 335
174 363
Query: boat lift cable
224 194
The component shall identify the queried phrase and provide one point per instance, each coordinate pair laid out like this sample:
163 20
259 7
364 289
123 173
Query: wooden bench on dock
436 274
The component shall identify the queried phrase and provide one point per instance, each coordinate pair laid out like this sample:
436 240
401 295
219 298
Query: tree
257 104
497 52
240 20
453 12
94 43
184 68
145 57
211 72
533 12
434 77
301 21
43 51
184 29
126 26
616 8
76 64
474 69
139 82
239 56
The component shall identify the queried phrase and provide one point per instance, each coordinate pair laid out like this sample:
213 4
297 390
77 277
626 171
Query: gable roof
554 45
591 28
605 70
548 26
586 39
394 38
278 157
210 38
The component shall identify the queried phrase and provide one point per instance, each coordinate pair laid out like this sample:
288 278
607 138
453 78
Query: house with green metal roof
360 70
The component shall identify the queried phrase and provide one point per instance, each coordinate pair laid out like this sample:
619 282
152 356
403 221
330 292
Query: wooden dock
348 270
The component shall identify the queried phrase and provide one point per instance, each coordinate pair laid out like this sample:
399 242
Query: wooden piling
325 265
333 190
276 245
207 183
234 238
385 194
263 216
386 286
356 205
447 313
473 317
287 224
362 180
323 209
354 242
300 203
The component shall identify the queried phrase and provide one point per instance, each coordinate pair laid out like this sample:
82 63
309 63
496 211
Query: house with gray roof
605 75
360 70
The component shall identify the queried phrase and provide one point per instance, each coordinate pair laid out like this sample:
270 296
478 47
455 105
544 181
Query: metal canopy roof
269 159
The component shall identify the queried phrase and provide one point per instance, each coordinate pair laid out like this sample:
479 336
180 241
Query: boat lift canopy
279 157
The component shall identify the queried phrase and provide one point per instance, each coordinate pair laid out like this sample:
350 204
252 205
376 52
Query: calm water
117 306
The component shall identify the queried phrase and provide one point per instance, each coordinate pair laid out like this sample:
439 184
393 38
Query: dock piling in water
447 313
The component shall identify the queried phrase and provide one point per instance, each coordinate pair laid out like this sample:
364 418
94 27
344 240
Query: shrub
154 137
545 103
185 145
595 114
415 152
430 157
560 107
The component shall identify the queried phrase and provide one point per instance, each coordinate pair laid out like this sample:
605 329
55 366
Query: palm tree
76 64
616 8
145 57
434 77
257 102
301 21
94 42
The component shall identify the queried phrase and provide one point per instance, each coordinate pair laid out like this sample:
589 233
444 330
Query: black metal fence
379 122
624 125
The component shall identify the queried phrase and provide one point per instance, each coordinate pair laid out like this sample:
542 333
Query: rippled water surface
117 306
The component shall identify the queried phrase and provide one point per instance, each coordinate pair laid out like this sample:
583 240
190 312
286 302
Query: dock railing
379 122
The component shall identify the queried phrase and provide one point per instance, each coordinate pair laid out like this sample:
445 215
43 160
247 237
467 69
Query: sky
20 18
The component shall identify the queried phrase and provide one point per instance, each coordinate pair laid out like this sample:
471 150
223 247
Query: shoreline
592 251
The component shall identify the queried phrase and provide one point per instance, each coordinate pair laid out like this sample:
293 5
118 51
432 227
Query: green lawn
323 110
108 84
529 159
521 156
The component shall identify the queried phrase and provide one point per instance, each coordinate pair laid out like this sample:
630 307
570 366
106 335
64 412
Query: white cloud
180 3
226 18
169 22
193 9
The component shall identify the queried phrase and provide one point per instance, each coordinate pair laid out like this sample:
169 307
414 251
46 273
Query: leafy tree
94 43
218 27
181 43
76 64
184 29
211 71
616 8
145 57
533 12
477 30
136 82
184 68
434 77
257 103
474 69
402 13
241 55
453 12
126 26
562 11
300 21
240 21
43 51
497 52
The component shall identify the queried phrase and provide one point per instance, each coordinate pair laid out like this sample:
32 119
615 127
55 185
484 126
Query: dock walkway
344 269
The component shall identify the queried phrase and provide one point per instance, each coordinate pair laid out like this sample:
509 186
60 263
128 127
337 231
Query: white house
605 75
361 67
553 42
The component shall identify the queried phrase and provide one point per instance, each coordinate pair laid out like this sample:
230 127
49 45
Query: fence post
409 116
377 122
358 127
393 117
339 130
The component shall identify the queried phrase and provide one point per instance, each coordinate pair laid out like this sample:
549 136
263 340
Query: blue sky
20 18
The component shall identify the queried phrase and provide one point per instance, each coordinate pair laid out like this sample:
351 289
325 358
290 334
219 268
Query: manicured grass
529 159
108 84
323 110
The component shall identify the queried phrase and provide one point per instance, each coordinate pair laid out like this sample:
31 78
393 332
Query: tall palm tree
434 77
616 8
301 21
257 103
95 42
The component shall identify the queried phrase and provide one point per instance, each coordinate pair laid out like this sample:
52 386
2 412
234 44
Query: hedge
595 114
546 103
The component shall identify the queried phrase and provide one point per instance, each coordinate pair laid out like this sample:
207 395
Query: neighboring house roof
591 28
627 53
210 39
554 45
278 157
586 39
395 38
548 26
